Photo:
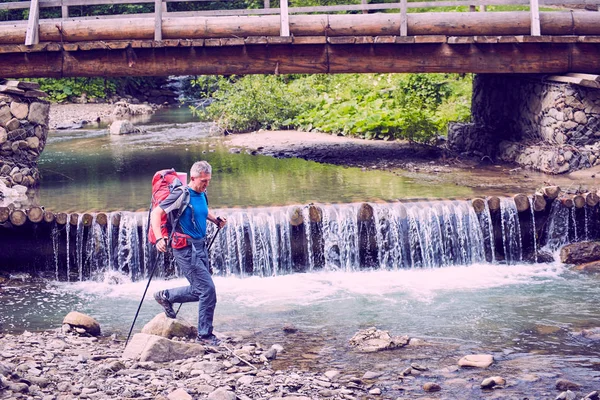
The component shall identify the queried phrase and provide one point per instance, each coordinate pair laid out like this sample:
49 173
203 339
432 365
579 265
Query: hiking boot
208 340
161 298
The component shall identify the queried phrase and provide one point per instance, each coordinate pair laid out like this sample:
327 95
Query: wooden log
87 219
522 202
478 205
74 219
579 201
315 214
35 214
592 199
539 202
551 192
296 217
197 27
365 212
494 203
18 217
4 214
61 218
101 219
116 219
566 202
49 217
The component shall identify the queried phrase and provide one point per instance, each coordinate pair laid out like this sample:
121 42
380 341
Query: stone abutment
23 132
546 126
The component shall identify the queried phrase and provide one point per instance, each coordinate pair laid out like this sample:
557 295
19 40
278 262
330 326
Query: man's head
200 175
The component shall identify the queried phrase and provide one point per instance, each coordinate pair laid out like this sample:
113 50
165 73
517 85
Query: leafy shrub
414 107
253 102
68 88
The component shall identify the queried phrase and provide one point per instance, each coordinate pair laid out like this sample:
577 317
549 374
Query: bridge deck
278 55
205 43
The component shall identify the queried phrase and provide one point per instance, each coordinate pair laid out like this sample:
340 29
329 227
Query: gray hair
200 167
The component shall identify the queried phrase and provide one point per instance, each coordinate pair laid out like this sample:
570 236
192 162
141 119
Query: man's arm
155 218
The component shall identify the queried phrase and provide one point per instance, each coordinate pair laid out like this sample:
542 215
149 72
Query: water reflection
92 171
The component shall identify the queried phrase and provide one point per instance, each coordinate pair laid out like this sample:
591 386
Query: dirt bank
73 114
420 162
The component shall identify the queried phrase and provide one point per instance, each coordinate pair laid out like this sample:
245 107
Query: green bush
253 102
69 88
414 107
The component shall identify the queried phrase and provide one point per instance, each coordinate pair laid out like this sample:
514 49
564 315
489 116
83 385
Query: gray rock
223 394
271 354
39 113
431 387
79 320
476 361
144 347
179 394
564 384
567 395
122 127
371 340
169 328
372 375
580 253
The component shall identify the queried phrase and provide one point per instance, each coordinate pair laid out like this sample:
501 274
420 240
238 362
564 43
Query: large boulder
580 253
371 339
78 320
588 268
476 361
144 347
170 328
122 127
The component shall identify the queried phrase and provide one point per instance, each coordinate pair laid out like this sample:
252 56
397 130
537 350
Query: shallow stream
507 310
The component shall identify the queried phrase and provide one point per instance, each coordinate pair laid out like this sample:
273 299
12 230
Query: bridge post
285 18
33 25
158 19
403 19
534 9
64 10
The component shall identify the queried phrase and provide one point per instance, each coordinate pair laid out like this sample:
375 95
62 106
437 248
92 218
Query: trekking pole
207 250
143 296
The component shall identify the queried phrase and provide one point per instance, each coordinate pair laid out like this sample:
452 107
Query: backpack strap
185 202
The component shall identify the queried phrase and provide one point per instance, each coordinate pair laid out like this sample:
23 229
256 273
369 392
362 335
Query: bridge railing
160 12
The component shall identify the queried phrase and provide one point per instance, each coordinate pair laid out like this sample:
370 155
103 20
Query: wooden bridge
362 37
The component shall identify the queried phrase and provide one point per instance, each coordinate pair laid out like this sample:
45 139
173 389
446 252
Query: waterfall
511 232
67 230
557 233
349 237
534 231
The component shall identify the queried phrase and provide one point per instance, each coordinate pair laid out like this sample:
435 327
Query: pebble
431 387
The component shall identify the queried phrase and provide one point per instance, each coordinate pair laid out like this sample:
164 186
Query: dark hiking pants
193 263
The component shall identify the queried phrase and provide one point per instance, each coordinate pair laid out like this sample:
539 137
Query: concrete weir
280 240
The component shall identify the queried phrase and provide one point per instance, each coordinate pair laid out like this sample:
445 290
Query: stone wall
23 132
546 126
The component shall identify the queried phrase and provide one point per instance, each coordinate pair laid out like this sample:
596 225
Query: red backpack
163 183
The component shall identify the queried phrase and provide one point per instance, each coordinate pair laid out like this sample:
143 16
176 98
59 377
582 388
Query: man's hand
220 222
161 245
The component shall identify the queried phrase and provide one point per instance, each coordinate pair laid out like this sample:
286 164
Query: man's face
200 183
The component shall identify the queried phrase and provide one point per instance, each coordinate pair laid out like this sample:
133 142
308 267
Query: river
521 308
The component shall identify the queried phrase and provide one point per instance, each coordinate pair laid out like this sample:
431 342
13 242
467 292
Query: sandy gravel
61 114
342 150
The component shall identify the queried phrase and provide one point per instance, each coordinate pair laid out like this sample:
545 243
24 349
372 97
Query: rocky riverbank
62 365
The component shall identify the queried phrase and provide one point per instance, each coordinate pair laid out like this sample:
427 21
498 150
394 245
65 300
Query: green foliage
414 107
254 102
68 88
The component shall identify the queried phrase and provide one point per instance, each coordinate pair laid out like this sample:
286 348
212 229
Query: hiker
189 249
